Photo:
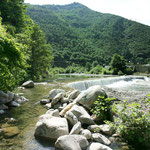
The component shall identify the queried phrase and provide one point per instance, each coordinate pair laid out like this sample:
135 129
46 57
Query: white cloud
137 10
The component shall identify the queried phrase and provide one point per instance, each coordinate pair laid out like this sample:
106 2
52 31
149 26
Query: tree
12 62
41 55
13 12
118 63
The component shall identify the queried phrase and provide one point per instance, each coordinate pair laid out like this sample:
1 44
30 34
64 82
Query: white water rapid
139 83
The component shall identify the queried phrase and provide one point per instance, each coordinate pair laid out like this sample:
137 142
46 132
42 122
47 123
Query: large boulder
98 146
71 142
89 96
54 92
28 84
51 127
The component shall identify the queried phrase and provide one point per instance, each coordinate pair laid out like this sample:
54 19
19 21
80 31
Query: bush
96 70
133 123
101 107
106 71
129 71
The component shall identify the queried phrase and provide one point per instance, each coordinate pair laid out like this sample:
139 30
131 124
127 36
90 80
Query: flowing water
138 83
27 114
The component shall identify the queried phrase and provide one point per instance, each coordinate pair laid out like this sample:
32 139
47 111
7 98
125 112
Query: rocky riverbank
10 99
70 124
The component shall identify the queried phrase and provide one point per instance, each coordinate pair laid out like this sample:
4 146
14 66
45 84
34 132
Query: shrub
96 70
101 107
129 71
133 123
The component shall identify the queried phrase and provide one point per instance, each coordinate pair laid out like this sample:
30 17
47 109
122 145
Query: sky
137 10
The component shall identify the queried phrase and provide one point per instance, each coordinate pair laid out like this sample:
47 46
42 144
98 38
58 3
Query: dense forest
24 52
79 35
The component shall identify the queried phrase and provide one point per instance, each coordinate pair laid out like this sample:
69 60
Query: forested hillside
24 52
79 35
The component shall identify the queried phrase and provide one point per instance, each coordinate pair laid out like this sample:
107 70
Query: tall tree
118 63
41 55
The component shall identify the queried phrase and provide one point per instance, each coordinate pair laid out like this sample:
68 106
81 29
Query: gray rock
48 106
53 112
64 100
28 84
71 118
98 146
14 104
94 128
72 142
86 133
106 129
21 100
86 119
54 92
74 94
6 98
101 138
81 114
51 127
89 96
76 128
57 98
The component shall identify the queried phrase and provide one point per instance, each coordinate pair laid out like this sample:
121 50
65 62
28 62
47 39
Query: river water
27 114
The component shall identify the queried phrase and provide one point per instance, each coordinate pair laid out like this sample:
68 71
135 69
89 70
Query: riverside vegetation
21 43
131 121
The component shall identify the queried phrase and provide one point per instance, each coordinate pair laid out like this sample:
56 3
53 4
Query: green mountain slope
80 35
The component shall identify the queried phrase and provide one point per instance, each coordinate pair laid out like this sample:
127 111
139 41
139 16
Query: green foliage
41 55
119 66
133 123
79 35
23 48
96 70
101 107
13 13
106 71
118 63
12 61
57 70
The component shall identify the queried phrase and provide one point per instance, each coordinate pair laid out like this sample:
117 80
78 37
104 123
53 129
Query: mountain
80 35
